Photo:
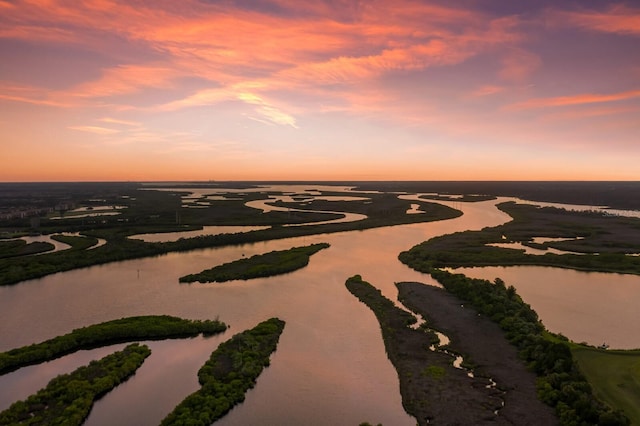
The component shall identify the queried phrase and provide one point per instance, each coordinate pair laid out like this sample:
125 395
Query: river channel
330 366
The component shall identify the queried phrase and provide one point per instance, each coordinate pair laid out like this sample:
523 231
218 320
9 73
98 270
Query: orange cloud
95 129
587 98
581 113
618 19
31 95
487 90
311 43
125 79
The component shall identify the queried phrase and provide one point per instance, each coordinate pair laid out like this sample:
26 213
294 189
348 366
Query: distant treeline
602 242
620 195
119 247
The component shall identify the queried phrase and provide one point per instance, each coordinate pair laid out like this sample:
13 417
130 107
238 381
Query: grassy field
614 377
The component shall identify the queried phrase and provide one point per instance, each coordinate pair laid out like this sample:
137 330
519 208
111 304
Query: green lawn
614 376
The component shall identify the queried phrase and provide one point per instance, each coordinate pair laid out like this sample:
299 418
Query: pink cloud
487 90
587 98
125 79
519 64
618 19
226 45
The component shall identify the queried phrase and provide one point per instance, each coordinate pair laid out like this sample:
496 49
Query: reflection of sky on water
330 359
206 230
96 209
594 307
330 366
78 216
266 207
415 209
58 246
531 250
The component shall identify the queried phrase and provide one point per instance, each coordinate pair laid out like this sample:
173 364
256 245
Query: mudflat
483 344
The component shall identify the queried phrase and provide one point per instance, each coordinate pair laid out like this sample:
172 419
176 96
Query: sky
148 90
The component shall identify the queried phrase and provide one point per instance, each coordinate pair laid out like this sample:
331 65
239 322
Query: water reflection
206 230
531 250
593 307
58 245
330 366
266 207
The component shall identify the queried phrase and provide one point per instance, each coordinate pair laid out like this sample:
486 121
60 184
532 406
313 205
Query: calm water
206 230
590 307
330 366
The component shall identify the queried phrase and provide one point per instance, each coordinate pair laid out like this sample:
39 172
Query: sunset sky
319 90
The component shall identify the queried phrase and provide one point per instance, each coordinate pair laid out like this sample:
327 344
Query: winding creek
330 366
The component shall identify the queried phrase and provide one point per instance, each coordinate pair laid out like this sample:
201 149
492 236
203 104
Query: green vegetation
434 371
603 241
618 195
231 370
14 248
68 398
77 242
260 265
384 309
614 376
117 331
432 390
560 382
162 211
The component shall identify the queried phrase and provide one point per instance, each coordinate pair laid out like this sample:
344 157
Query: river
330 366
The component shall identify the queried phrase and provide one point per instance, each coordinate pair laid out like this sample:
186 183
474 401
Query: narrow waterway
330 366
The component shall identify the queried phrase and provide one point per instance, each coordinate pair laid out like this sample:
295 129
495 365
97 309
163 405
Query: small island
230 372
68 398
152 327
261 265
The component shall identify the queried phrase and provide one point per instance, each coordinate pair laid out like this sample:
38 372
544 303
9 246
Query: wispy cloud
518 65
119 121
487 90
582 99
267 110
227 45
95 129
619 19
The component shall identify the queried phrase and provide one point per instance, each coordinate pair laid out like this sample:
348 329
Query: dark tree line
560 383
111 332
68 398
230 372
